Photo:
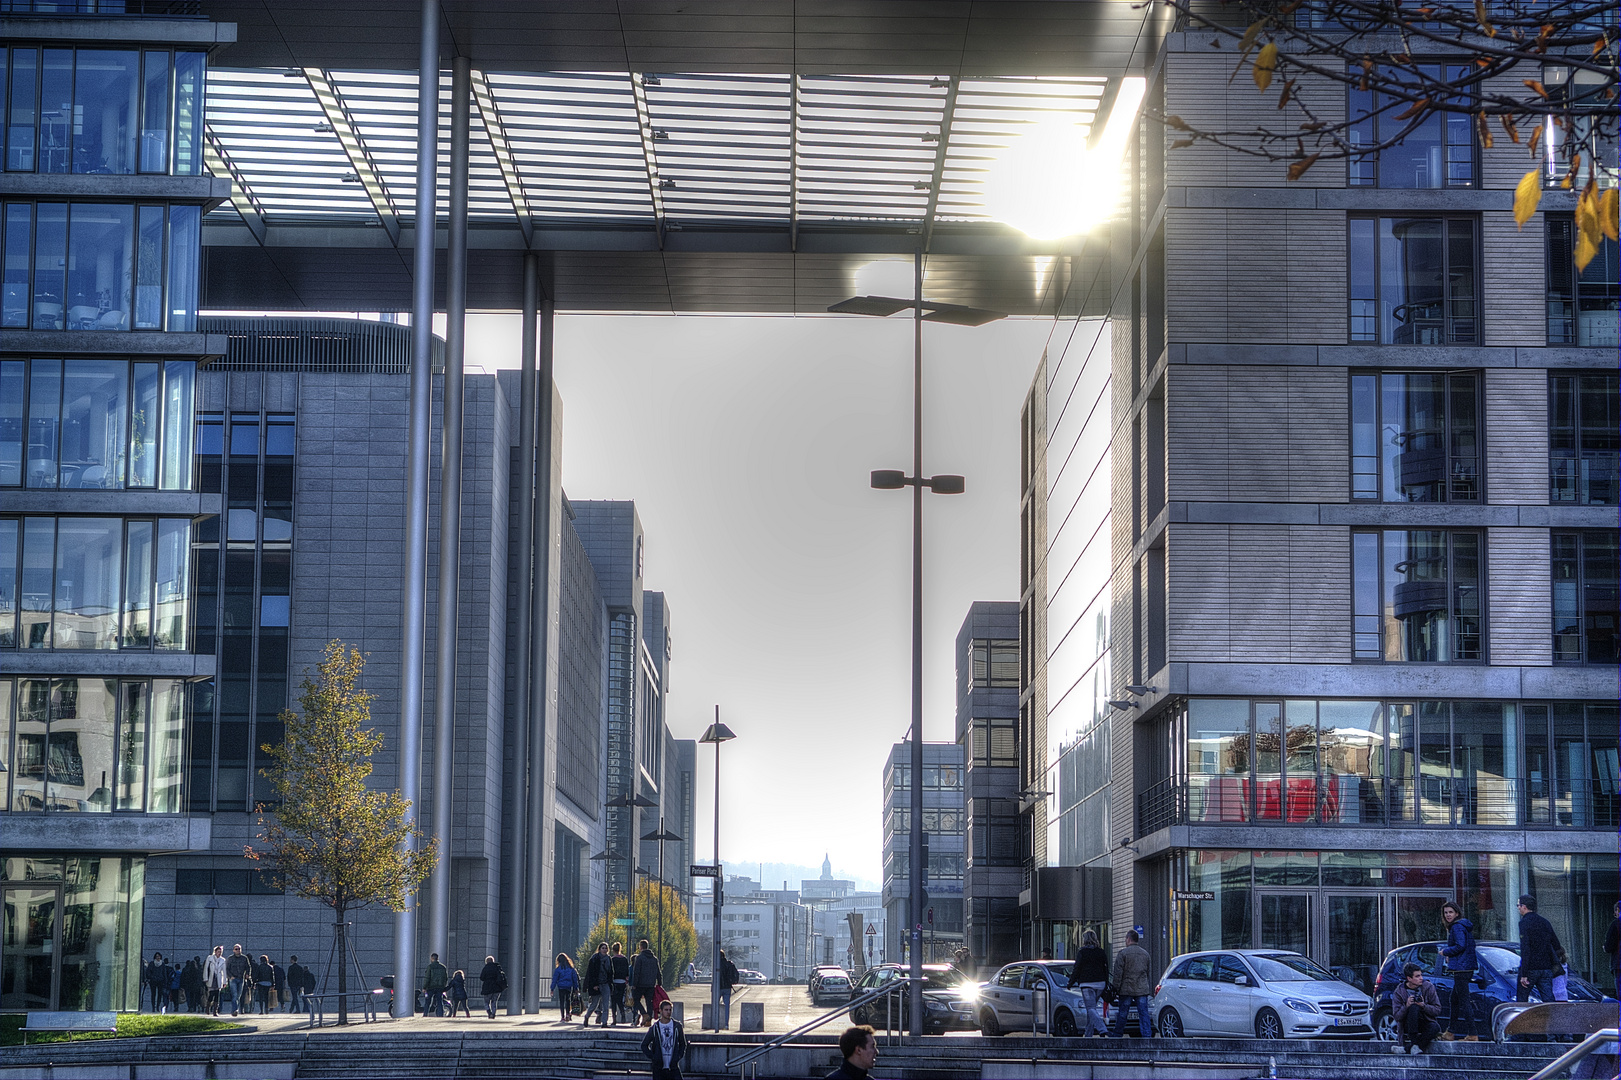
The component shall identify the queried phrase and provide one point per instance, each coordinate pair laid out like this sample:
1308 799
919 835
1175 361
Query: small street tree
332 838
674 928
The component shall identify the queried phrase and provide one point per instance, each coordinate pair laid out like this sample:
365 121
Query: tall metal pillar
517 798
914 845
450 508
542 733
415 609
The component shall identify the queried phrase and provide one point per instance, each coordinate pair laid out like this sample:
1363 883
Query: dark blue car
1495 981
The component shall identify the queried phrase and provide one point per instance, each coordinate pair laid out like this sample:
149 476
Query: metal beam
220 164
644 127
354 147
542 729
497 132
946 115
414 613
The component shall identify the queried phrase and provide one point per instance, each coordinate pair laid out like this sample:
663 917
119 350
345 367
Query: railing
760 1051
1600 1042
1348 799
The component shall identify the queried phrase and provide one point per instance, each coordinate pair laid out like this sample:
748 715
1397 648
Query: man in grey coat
1133 984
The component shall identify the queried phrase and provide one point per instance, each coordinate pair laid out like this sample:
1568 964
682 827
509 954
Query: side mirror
1241 980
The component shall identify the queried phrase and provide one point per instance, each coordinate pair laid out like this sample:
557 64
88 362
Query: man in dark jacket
665 1044
860 1051
492 984
1090 974
433 985
1459 962
597 970
1539 948
264 982
1133 981
1415 1007
237 968
295 985
645 974
728 979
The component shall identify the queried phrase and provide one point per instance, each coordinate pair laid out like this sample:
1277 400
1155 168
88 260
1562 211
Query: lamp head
946 484
717 733
888 479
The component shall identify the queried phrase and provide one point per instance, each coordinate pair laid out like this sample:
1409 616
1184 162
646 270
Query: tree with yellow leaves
332 838
660 917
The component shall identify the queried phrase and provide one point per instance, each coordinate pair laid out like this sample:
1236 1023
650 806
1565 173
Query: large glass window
1585 595
1416 595
108 111
1432 151
1413 280
100 266
93 583
1415 437
1584 438
996 663
1584 306
1571 764
94 423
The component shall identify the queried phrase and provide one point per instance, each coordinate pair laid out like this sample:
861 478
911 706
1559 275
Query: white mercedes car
1257 993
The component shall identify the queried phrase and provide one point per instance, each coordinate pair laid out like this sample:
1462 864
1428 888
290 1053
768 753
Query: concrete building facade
943 835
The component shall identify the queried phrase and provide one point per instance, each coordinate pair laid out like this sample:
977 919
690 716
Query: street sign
1180 894
705 871
624 922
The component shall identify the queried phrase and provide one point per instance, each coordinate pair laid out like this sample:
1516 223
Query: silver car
1257 993
1010 999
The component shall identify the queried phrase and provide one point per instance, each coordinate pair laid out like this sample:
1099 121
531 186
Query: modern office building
988 735
1320 549
943 835
771 935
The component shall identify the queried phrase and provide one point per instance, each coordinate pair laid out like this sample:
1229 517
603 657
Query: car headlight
936 1006
1299 1005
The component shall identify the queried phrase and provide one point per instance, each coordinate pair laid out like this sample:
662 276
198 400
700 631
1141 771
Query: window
996 664
1412 280
1416 595
1415 437
1584 444
1229 969
1572 765
1438 152
995 742
108 111
1585 597
1582 304
1584 136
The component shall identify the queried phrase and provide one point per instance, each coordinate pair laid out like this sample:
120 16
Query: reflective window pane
149 269
50 264
105 111
184 252
13 380
138 586
14 307
168 737
132 737
143 465
88 565
95 406
33 725
173 555
10 550
80 770
179 388
155 114
100 268
56 112
38 572
188 121
24 111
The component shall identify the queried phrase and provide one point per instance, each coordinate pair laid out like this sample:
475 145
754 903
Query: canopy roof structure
610 138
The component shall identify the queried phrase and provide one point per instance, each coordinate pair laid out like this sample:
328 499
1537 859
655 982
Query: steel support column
450 510
414 609
517 799
542 733
915 840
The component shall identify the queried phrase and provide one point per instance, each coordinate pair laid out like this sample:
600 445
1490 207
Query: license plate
1347 1021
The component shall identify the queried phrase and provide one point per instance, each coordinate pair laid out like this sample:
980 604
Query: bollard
708 1017
678 1010
753 1017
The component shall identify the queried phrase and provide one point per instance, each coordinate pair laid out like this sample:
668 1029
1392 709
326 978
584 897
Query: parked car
1257 993
1495 982
949 999
1007 1002
750 977
822 969
831 987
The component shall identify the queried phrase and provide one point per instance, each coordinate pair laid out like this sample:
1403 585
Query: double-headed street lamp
890 479
716 733
663 836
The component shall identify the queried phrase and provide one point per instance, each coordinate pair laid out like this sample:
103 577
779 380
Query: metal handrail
1577 1053
871 995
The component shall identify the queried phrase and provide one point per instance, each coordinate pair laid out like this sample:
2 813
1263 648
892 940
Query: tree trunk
343 970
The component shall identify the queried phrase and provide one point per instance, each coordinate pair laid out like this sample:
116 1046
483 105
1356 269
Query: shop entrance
30 960
1348 932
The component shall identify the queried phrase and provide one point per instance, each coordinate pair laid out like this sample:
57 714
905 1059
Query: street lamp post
663 836
717 733
890 479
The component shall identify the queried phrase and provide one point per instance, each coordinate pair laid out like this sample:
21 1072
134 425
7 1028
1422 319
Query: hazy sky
746 444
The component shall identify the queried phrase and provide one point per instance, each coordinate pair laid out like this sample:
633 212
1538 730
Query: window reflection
1428 586
1412 281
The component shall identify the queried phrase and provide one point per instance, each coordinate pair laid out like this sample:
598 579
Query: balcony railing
1349 800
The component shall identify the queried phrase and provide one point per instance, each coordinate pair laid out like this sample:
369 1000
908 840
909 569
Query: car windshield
1057 972
943 980
1288 967
1504 961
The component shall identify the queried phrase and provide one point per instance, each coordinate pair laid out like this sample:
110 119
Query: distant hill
771 875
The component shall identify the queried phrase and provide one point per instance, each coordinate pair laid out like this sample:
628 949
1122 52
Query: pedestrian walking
295 984
1539 947
177 988
645 975
264 983
156 982
1612 945
1090 974
565 981
191 982
278 986
860 1051
665 1044
598 973
728 979
238 968
1415 1007
433 985
1459 962
457 992
1132 982
619 982
215 980
492 984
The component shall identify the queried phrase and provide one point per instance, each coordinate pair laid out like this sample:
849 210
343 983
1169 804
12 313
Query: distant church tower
827 867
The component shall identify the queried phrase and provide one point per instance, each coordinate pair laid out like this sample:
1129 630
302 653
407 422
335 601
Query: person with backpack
618 980
728 979
492 984
646 974
565 981
1459 963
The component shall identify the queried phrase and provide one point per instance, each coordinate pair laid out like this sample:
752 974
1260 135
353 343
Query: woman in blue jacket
1460 964
565 980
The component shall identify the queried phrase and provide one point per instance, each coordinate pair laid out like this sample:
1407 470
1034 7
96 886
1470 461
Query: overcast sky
746 444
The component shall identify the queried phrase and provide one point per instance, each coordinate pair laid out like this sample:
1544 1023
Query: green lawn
130 1026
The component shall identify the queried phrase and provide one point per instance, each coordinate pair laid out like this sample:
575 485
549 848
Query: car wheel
1170 1023
1064 1024
988 1025
1268 1025
1384 1026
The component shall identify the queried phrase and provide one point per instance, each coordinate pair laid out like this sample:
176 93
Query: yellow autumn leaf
1527 196
1250 35
1265 64
1609 209
1587 216
1585 250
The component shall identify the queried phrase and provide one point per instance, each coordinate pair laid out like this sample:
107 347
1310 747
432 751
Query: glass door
1418 918
1358 937
30 926
1283 920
